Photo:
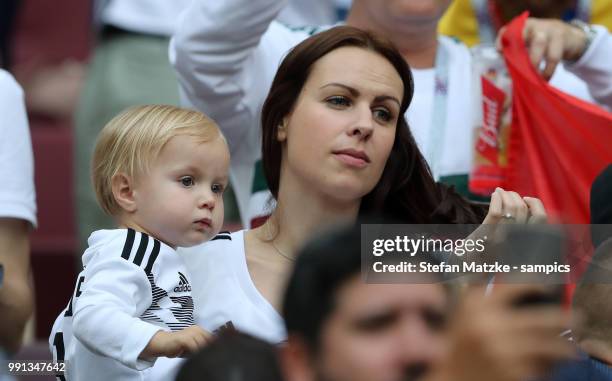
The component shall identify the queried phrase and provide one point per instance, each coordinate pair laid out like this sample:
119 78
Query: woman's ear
122 186
281 133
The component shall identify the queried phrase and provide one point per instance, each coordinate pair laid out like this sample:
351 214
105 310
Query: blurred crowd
384 87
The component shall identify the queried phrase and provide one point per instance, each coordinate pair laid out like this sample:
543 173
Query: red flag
558 143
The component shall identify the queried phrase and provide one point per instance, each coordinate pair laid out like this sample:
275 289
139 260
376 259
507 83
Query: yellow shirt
460 22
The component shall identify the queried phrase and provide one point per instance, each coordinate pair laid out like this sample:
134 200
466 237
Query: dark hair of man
325 264
233 356
406 190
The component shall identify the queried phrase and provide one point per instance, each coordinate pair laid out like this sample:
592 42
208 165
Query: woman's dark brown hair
406 191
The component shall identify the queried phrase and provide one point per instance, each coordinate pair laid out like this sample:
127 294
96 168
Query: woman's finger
537 212
495 208
509 207
521 211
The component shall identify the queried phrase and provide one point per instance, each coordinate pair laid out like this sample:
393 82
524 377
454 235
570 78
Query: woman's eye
217 188
187 181
383 114
338 101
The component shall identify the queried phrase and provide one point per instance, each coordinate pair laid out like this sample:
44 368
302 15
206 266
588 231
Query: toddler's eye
217 188
187 181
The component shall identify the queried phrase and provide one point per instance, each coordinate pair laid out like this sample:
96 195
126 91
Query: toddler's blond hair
135 137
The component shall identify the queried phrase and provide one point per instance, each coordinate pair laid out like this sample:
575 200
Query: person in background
593 332
478 21
8 9
17 214
343 329
233 356
226 59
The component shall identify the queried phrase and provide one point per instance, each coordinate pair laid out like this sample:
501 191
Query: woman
335 145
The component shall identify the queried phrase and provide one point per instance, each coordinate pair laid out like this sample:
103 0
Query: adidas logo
183 285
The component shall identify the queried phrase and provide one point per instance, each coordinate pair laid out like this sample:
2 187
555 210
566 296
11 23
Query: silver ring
508 216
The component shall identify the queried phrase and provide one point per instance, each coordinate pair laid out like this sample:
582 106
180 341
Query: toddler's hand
175 344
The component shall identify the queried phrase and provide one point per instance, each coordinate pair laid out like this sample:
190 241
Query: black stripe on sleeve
144 241
129 243
58 343
152 257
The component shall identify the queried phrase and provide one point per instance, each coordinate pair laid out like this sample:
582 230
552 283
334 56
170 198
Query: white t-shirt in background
17 193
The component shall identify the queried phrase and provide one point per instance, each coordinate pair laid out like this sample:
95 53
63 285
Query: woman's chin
348 191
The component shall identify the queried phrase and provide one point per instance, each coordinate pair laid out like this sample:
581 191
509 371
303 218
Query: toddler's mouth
204 223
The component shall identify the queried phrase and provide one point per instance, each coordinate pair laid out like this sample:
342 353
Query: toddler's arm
106 310
175 344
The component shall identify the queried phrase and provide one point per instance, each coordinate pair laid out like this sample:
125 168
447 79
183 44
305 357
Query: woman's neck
300 214
417 43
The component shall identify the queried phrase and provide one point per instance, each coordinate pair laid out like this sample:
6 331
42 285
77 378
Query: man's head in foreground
342 329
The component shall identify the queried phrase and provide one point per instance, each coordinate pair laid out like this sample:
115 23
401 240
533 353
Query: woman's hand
507 208
510 208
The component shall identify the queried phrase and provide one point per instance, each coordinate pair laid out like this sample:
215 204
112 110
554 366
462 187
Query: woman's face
339 135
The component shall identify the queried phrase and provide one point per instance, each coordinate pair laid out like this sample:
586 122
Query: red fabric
558 143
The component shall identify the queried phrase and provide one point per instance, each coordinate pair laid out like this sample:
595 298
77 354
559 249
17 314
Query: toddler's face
180 200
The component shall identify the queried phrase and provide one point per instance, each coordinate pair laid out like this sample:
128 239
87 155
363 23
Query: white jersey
131 286
224 293
226 61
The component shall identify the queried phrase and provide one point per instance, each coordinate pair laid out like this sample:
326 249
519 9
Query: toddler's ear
123 192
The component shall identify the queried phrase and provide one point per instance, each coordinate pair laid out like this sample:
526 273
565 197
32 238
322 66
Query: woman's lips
352 158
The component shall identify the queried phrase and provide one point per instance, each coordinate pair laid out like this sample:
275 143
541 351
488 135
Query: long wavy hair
406 191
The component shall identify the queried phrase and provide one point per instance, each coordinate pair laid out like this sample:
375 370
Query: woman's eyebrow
354 92
382 98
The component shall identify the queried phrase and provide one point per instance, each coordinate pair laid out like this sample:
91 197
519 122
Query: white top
17 194
311 12
226 60
160 17
131 287
224 292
